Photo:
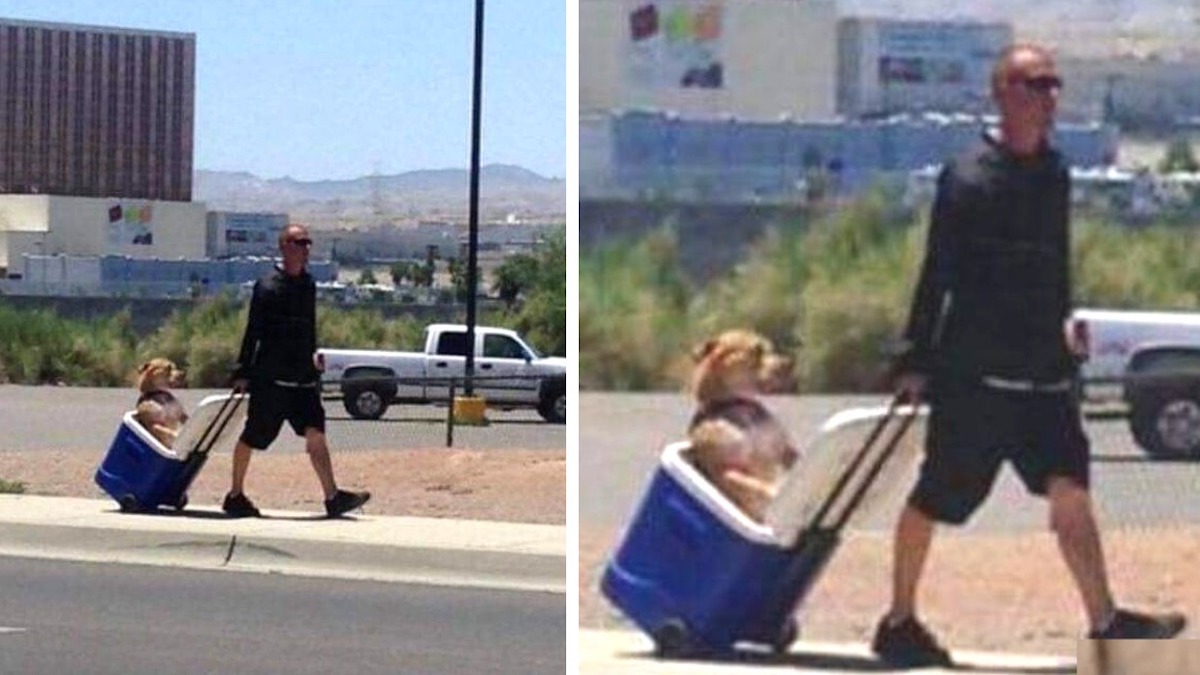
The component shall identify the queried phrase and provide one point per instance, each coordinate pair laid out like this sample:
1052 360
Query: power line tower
378 208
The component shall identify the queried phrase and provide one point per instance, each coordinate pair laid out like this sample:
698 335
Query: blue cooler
699 576
141 473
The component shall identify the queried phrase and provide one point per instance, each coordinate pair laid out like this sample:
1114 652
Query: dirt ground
983 592
527 486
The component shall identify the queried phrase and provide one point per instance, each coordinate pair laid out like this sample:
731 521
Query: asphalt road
61 617
622 435
86 418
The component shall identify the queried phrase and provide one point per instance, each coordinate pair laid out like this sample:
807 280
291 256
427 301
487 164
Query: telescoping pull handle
220 421
859 459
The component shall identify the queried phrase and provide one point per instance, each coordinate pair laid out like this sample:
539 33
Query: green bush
542 315
1156 267
39 347
11 487
841 285
632 313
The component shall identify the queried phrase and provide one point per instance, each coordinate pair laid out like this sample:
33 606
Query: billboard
675 45
130 224
937 54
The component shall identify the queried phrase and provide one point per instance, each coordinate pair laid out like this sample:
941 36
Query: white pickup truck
1151 361
510 373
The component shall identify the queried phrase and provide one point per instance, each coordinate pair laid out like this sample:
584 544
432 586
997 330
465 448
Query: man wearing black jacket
991 336
279 365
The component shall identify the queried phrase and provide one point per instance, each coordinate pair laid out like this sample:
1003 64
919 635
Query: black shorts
271 404
973 429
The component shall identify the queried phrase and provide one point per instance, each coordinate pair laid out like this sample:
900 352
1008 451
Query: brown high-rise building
96 112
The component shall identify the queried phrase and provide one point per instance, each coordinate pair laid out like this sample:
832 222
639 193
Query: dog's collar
733 401
154 395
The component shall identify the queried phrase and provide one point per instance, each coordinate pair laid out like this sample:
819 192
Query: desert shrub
541 316
842 286
203 339
38 347
765 292
632 313
366 329
1145 268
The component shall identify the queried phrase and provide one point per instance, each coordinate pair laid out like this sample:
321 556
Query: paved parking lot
85 419
1130 490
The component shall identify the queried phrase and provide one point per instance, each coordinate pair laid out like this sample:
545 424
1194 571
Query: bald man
279 365
989 344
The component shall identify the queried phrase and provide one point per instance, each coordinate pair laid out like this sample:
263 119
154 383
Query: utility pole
377 206
473 222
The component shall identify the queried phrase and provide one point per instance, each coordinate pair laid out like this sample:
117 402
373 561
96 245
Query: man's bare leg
910 549
1074 523
318 453
241 462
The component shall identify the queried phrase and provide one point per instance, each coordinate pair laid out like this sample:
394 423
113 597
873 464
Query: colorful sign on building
130 224
676 45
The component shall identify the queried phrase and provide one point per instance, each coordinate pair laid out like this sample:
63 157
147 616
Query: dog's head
159 375
739 362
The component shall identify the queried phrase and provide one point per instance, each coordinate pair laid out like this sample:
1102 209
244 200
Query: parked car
1151 361
511 373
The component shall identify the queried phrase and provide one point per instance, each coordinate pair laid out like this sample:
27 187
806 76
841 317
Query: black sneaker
1129 625
343 501
908 645
239 506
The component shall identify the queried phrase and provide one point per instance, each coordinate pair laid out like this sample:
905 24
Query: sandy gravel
1003 592
510 485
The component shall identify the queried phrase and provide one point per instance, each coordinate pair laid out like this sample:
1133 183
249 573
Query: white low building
90 226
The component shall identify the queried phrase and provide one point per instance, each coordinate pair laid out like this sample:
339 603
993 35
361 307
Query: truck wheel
365 403
553 407
1167 424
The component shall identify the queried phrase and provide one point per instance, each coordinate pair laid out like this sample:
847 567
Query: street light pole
473 222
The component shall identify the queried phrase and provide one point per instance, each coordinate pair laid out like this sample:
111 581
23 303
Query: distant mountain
505 192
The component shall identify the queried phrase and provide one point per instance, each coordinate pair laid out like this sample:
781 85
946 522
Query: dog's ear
759 350
143 368
703 350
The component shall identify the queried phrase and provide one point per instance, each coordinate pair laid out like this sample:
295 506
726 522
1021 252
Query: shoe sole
342 512
905 662
339 514
910 664
1171 631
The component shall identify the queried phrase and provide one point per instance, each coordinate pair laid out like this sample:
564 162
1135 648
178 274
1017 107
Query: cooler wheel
129 504
787 636
181 503
673 640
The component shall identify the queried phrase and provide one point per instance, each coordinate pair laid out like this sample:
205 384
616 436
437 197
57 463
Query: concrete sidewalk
629 653
415 550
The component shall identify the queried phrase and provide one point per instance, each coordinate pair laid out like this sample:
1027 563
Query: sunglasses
300 242
1042 84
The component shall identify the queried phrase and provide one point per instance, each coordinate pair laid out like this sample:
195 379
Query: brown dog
157 408
735 441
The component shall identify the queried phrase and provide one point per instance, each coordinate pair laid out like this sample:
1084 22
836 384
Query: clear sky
317 89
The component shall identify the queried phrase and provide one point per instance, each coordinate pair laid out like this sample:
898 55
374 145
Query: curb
479 554
618 652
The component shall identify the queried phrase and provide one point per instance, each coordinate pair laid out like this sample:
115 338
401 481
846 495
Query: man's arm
249 348
1077 341
931 297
